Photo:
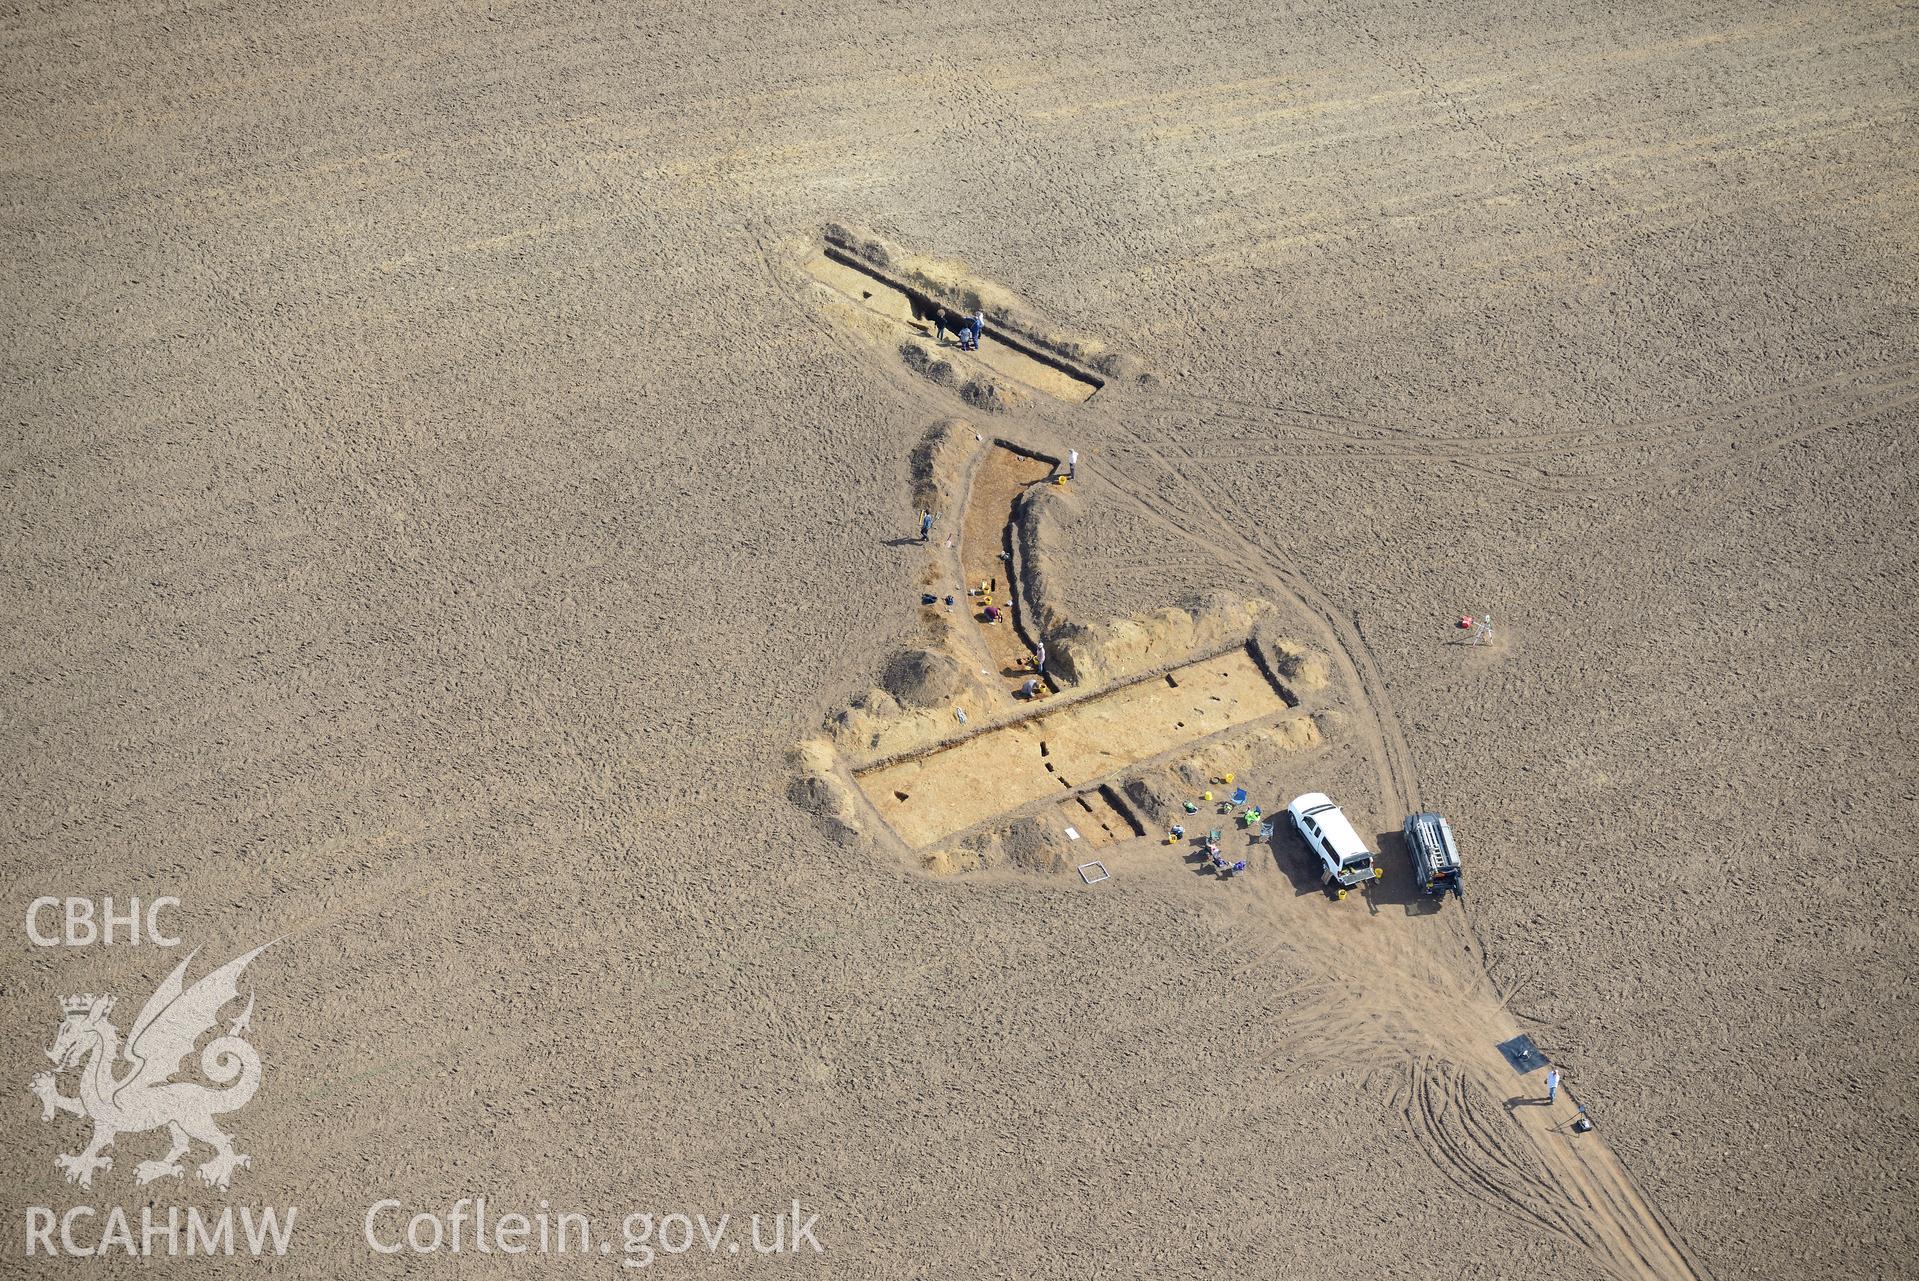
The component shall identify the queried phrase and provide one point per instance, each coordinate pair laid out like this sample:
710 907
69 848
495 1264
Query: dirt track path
1570 1185
433 520
1411 989
1687 449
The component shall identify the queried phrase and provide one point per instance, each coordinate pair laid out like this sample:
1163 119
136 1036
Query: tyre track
1476 1169
1381 731
1325 1017
1720 432
1609 1224
1588 1203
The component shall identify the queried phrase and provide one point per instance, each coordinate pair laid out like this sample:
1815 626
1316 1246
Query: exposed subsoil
1000 477
439 497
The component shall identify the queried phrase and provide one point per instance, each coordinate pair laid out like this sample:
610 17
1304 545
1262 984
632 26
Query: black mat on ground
1522 1054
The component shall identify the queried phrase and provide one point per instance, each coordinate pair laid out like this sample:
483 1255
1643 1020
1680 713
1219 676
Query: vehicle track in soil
1631 1218
1434 1100
1735 431
1260 565
1589 1202
1621 1221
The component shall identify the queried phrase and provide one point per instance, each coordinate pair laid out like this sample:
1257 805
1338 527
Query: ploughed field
439 499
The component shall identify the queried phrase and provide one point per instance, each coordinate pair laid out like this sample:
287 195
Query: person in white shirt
971 330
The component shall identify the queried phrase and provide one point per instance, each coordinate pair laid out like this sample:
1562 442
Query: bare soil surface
934 795
1000 477
439 497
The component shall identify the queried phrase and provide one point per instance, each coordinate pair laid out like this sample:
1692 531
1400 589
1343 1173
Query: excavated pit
1063 751
1100 817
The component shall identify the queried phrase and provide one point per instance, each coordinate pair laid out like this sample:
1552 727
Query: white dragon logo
146 1097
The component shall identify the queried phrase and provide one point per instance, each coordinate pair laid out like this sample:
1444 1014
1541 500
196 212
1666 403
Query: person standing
1039 658
971 331
926 525
1552 1085
939 325
1072 464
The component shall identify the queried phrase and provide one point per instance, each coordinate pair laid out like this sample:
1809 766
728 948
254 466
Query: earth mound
921 677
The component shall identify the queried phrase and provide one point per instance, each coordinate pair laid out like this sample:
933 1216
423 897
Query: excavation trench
986 557
1000 352
1100 817
929 797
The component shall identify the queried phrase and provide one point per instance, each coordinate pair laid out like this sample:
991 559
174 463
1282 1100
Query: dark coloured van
1429 839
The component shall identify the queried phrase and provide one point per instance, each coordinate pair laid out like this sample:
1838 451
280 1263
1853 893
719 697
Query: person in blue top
970 331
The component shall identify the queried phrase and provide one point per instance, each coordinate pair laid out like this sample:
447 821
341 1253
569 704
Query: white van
1344 860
